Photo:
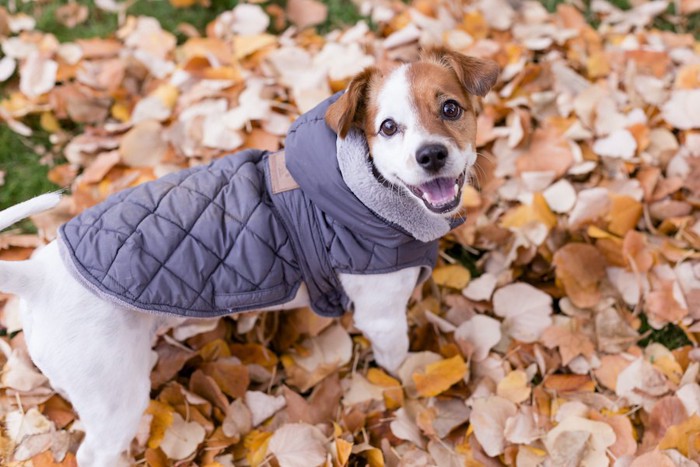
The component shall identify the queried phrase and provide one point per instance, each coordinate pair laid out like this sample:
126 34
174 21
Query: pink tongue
440 190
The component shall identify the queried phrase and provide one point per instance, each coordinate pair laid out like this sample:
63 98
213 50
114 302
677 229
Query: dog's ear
351 108
477 75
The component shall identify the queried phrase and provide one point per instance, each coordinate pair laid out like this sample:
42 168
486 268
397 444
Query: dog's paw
390 359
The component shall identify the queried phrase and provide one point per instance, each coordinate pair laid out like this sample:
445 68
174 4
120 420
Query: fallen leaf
439 376
262 406
514 387
298 445
488 418
453 276
527 310
305 13
580 268
181 438
579 441
479 335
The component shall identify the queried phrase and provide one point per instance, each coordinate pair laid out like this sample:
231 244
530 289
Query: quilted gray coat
244 231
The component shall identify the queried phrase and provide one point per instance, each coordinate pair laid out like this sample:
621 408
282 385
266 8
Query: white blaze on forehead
395 100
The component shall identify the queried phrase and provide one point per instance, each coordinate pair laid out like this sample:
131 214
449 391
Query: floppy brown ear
477 75
350 109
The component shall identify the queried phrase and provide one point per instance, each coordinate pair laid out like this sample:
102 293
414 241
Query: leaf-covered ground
560 326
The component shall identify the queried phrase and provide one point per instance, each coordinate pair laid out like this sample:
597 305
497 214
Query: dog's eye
451 110
388 127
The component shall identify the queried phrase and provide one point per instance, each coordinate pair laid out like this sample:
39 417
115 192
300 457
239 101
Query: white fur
395 156
30 207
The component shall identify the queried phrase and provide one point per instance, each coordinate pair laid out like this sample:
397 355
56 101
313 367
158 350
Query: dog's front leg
380 311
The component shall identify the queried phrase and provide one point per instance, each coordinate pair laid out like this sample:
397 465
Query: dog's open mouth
440 195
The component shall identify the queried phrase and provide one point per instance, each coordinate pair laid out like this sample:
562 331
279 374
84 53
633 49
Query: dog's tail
14 275
28 208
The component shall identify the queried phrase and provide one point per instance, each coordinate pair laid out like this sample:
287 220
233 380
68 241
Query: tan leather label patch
280 178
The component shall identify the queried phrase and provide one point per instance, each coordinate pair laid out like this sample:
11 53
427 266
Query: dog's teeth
425 197
456 188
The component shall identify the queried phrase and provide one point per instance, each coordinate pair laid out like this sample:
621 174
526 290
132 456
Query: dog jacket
244 231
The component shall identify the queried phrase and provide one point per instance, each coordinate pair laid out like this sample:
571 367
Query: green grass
670 336
24 175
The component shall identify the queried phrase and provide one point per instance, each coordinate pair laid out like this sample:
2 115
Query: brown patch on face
431 86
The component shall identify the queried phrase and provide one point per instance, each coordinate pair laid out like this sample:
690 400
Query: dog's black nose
432 157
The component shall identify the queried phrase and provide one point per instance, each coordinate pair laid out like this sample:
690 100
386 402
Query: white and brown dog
417 129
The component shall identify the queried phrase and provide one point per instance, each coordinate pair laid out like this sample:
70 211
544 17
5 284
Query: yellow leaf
597 232
538 211
182 3
162 419
514 386
168 94
471 198
121 112
256 443
453 276
669 367
393 394
598 65
682 435
375 458
440 376
49 122
624 214
215 350
247 45
343 448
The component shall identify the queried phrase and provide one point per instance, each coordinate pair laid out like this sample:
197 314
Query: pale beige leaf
579 441
298 445
488 418
181 438
403 427
37 75
481 288
333 347
481 333
620 144
238 420
20 424
682 110
20 373
7 68
263 406
527 310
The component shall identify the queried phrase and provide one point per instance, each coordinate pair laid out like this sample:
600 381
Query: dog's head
420 122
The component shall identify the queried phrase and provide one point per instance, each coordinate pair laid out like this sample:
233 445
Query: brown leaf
229 375
548 150
580 268
305 13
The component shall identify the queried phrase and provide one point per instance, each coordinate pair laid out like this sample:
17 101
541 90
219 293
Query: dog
356 230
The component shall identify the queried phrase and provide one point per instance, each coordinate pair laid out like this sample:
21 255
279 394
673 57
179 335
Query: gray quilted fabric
199 242
215 240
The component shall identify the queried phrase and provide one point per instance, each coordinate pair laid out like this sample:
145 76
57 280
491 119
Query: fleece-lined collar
388 202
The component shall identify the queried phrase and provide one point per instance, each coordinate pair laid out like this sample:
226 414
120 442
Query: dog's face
420 122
